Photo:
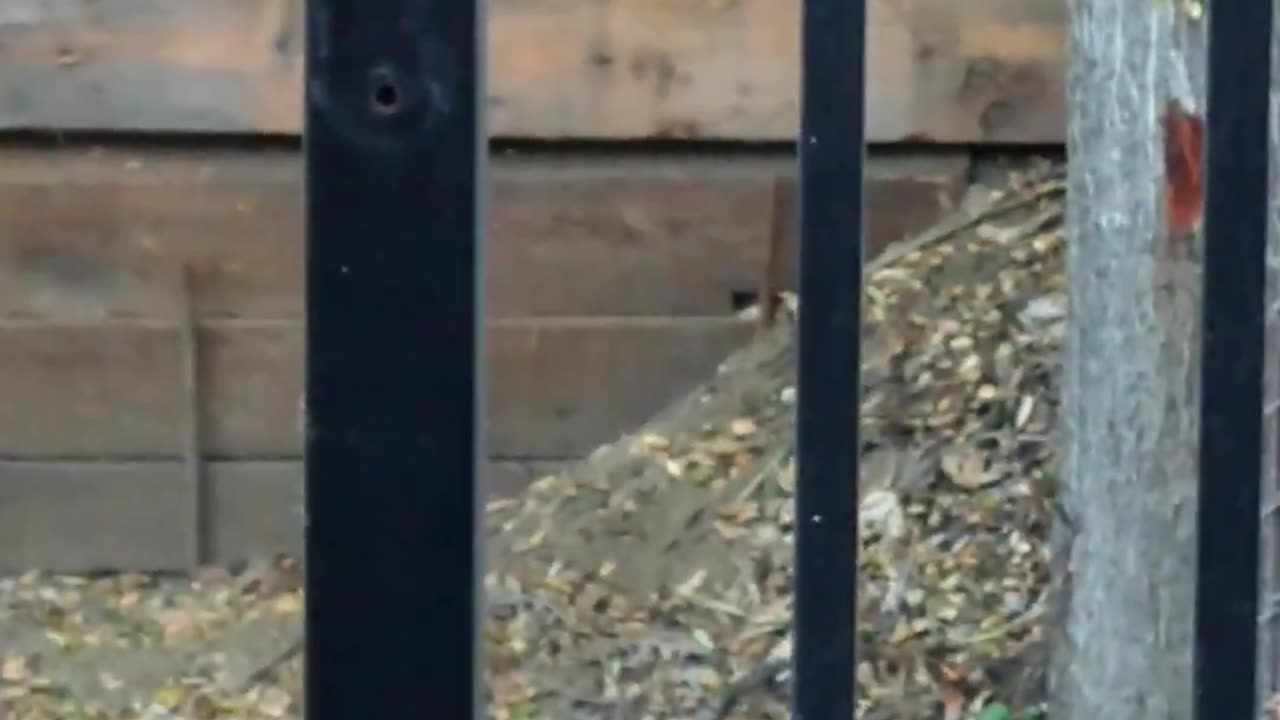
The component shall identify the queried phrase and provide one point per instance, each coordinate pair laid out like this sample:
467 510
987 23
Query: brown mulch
652 580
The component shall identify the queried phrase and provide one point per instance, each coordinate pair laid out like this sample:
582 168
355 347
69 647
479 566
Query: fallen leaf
287 604
655 443
965 467
274 702
880 511
14 669
109 682
169 696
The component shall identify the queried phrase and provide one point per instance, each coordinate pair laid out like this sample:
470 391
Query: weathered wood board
88 233
557 387
64 516
942 70
587 257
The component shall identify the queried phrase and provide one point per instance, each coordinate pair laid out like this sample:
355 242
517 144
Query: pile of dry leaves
653 579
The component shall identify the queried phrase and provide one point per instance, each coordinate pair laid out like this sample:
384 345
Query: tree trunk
1131 378
1130 388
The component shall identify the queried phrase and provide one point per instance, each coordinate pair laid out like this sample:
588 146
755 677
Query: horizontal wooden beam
940 70
84 516
556 387
93 232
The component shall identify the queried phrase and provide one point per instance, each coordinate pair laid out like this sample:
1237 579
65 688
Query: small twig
767 468
285 654
735 691
712 604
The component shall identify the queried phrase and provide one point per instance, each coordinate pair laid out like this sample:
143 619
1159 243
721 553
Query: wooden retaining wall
941 70
613 280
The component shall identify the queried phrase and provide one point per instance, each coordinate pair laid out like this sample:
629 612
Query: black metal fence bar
394 149
1235 239
831 171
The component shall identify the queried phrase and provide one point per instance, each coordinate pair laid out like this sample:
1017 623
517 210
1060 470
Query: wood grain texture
557 387
93 233
982 70
84 516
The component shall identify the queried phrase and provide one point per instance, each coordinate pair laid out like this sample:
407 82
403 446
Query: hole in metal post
384 93
386 98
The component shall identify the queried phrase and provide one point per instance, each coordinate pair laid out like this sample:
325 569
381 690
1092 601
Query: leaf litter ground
652 580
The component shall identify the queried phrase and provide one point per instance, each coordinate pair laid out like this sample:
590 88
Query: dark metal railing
395 145
1231 449
395 158
831 149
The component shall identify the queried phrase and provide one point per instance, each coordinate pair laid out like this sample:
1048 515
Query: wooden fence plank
982 70
557 388
82 516
91 233
54 517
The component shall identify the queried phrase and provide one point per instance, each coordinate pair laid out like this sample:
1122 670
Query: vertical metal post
395 145
830 326
1235 241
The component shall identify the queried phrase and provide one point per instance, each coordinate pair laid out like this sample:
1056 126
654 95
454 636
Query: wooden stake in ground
193 457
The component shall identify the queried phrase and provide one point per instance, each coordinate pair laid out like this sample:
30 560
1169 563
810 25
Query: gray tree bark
1130 381
1130 406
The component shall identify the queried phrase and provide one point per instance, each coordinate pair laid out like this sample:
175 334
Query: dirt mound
653 579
